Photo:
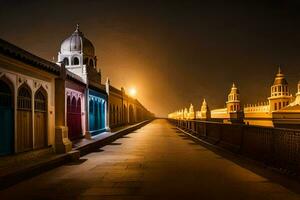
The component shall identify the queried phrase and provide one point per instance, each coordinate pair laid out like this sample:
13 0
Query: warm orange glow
132 92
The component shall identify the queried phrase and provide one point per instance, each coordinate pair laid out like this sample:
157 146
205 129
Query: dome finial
279 69
77 27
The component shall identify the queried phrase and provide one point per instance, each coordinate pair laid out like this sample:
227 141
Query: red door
74 118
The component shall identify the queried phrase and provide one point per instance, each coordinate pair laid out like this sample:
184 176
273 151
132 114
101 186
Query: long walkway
154 162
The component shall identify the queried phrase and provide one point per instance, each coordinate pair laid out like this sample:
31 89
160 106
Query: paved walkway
154 162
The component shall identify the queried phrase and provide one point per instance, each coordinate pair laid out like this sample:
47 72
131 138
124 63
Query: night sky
173 53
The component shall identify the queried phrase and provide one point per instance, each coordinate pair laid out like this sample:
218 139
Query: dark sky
173 53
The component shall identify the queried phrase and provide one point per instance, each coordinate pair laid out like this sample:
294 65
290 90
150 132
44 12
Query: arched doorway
24 119
96 117
40 118
74 117
6 117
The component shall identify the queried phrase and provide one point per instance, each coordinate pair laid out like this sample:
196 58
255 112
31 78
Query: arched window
66 61
275 106
24 98
279 105
75 61
40 101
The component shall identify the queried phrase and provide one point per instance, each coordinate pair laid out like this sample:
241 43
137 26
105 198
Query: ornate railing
276 147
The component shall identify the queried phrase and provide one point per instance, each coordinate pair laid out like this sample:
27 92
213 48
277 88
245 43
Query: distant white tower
233 103
205 112
280 94
191 114
78 55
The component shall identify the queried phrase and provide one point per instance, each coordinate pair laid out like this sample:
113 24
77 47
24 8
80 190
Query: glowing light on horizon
132 91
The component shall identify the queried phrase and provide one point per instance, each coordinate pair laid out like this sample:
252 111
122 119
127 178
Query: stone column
62 142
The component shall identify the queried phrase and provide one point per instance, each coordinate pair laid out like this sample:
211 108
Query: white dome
77 43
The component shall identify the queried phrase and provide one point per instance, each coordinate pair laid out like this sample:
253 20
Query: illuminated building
280 110
77 53
47 105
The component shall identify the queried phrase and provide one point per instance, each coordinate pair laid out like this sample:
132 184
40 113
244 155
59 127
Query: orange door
24 119
40 130
40 119
24 130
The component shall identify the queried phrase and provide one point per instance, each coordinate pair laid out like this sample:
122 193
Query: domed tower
233 103
78 55
191 114
205 112
280 94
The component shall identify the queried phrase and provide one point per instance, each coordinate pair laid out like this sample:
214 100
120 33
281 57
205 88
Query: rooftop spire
279 70
233 85
77 27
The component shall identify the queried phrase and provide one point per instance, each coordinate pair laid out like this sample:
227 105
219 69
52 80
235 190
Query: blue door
96 112
6 119
91 115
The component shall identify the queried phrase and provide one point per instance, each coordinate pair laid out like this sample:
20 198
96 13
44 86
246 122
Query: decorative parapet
219 113
255 108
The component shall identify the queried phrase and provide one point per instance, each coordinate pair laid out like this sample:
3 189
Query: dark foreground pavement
155 162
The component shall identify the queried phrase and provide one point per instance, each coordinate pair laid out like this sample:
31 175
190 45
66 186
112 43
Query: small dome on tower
77 43
234 89
280 79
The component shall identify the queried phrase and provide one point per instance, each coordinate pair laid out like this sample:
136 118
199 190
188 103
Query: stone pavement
156 162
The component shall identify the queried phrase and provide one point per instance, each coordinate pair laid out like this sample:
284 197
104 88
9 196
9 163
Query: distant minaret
234 110
233 102
205 112
191 114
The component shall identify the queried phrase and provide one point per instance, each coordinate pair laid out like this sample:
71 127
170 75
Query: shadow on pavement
115 143
256 167
77 162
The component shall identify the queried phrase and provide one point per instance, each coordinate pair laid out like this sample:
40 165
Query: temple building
50 105
281 109
77 54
